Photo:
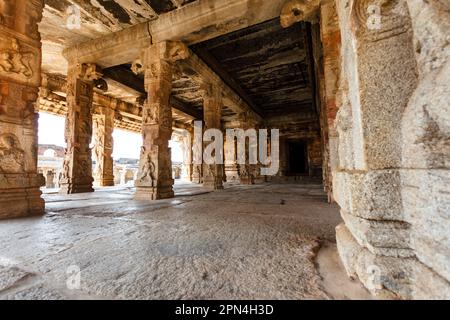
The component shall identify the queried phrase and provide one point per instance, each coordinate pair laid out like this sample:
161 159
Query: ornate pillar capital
299 10
89 72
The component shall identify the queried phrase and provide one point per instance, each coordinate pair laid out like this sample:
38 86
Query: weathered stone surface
386 277
427 208
10 276
389 277
426 147
428 284
389 238
363 91
20 76
374 195
38 292
188 248
392 128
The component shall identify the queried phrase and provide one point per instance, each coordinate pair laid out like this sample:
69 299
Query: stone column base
247 180
22 197
232 173
106 182
154 193
213 184
70 188
389 277
197 174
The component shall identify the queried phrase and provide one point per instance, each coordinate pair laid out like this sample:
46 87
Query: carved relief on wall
11 154
17 102
34 12
380 19
19 62
65 174
7 12
149 113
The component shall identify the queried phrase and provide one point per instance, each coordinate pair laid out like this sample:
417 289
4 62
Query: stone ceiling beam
196 22
225 76
132 81
201 73
113 49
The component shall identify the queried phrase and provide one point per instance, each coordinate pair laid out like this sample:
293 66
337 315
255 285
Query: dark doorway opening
298 158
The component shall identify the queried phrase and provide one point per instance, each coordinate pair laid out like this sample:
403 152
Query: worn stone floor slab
245 242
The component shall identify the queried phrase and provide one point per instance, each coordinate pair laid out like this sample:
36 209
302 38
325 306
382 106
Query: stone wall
425 127
392 177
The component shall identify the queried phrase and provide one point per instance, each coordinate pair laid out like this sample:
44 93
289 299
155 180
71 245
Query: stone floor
245 242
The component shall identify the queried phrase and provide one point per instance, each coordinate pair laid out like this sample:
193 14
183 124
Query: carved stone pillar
379 74
187 155
231 166
197 168
247 170
212 107
20 78
103 149
50 179
155 172
77 167
123 176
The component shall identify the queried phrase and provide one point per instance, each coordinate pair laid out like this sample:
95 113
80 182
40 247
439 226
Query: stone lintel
185 24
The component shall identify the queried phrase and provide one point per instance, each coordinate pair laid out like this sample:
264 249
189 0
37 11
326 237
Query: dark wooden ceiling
268 66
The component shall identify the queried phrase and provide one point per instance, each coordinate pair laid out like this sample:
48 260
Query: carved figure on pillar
155 172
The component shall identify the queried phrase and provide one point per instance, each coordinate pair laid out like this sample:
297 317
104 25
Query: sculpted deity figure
11 155
13 60
148 171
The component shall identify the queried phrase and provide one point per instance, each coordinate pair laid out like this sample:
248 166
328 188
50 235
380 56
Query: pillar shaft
77 167
20 78
187 155
197 167
155 172
231 166
103 149
247 170
212 107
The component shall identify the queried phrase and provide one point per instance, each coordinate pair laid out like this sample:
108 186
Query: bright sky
126 144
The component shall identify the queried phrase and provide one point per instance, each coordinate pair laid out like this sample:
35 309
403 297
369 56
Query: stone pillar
103 148
155 173
247 170
77 167
231 166
378 76
212 107
123 176
197 169
326 44
426 152
186 143
50 179
20 78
